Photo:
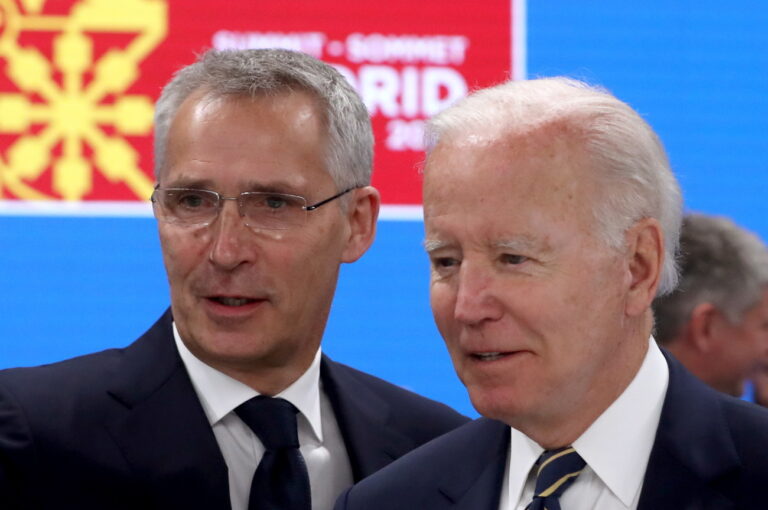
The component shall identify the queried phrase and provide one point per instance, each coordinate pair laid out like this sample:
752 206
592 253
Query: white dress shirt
616 448
320 440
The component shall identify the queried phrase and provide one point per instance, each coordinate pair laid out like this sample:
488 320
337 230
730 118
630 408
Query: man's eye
513 259
191 200
276 202
444 262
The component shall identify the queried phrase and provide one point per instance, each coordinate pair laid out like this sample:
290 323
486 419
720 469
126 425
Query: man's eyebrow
274 187
208 184
431 245
192 183
520 243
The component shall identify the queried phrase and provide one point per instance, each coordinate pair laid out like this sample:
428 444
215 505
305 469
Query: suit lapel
163 432
474 480
363 420
693 452
474 483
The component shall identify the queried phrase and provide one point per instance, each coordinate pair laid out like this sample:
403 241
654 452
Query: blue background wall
697 71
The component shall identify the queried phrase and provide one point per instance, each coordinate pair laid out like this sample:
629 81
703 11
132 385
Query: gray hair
721 264
252 73
634 171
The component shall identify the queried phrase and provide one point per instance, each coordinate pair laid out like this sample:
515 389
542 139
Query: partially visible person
552 219
759 380
716 321
263 166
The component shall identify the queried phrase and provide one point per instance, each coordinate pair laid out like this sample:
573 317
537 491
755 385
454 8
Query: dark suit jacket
710 452
124 428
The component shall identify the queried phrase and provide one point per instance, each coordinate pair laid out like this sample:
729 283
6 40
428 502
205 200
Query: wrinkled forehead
540 168
285 98
264 141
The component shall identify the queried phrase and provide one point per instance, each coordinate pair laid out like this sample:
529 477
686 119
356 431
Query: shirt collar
618 444
220 394
524 452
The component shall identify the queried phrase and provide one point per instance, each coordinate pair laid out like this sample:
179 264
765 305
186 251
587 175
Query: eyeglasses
261 210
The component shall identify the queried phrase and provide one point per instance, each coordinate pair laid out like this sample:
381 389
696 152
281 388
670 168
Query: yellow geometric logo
72 96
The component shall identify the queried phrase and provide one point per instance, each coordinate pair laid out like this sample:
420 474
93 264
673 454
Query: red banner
79 78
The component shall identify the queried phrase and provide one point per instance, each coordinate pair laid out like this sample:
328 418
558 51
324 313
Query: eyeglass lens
200 207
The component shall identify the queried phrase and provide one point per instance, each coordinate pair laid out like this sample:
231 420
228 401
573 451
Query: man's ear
362 214
645 249
701 334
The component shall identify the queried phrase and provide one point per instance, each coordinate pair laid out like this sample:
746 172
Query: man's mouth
232 301
488 356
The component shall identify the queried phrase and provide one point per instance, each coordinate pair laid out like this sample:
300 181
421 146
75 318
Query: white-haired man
263 166
551 220
716 321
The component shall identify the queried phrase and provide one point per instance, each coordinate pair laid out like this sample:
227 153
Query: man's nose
476 299
230 238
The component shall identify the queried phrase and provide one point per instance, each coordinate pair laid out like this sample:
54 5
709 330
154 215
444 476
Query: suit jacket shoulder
379 421
462 469
108 430
46 413
709 451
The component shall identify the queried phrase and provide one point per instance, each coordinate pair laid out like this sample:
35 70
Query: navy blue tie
557 470
281 481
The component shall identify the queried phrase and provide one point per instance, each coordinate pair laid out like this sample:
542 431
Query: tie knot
273 420
557 469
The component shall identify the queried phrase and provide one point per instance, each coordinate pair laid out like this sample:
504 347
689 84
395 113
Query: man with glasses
263 165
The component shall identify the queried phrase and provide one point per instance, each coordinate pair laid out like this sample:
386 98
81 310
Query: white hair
252 73
633 170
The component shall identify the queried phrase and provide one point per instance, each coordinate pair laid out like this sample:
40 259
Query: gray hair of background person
722 264
254 73
634 172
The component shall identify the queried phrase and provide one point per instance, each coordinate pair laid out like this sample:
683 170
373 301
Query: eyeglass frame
220 198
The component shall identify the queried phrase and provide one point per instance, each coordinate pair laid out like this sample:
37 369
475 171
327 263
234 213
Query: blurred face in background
741 347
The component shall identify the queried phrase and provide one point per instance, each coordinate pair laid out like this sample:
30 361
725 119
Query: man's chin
228 347
497 403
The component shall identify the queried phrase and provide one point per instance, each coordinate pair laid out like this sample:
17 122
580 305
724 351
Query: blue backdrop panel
696 70
75 285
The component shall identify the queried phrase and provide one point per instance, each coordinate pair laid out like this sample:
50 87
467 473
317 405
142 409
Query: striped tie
557 469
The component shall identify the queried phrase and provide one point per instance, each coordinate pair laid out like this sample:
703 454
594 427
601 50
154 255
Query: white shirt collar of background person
322 445
616 447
